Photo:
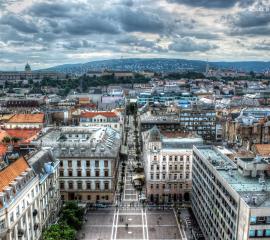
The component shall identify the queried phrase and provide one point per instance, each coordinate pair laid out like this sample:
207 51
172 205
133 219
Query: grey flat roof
246 186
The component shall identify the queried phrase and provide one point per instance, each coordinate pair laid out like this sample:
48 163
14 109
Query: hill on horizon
158 65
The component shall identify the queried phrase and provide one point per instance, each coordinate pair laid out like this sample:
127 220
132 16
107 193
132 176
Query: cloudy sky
48 33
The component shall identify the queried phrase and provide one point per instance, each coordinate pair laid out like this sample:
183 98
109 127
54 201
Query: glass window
259 233
267 219
252 233
79 185
252 219
267 232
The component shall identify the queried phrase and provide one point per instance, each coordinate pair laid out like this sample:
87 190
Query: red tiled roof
3 149
23 134
27 118
8 174
3 134
263 149
94 114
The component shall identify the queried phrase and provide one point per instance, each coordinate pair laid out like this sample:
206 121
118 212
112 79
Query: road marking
116 225
112 234
147 236
143 224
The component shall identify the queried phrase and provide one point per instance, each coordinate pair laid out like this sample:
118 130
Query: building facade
230 200
88 161
102 119
168 164
196 119
19 202
47 168
26 121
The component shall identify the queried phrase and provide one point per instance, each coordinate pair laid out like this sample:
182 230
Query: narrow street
134 221
128 218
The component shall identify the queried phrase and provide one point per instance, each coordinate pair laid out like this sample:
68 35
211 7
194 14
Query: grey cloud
251 19
262 46
50 9
74 45
91 24
19 23
190 45
210 3
140 21
134 41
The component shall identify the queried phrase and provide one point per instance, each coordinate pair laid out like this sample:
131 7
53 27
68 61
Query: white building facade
168 164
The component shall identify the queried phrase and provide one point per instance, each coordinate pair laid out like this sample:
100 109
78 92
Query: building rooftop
8 174
94 114
248 187
42 162
82 141
262 149
27 118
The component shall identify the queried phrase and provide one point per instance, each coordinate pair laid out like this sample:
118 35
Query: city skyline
47 33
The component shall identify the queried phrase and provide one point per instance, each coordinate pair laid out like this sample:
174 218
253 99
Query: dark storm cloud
190 45
19 23
212 3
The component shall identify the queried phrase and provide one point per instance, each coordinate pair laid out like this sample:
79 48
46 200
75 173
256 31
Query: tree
59 231
73 215
6 139
15 139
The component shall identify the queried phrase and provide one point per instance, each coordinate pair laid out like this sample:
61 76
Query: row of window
259 233
163 186
88 185
87 173
87 163
181 167
260 220
171 158
171 176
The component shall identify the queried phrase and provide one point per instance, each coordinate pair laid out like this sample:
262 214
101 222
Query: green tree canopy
59 231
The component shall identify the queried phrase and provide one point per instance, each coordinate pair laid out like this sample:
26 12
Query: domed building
18 76
27 67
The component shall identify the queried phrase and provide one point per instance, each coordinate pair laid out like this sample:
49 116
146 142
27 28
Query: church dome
27 68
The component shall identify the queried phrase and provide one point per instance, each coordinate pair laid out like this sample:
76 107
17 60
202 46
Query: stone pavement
109 224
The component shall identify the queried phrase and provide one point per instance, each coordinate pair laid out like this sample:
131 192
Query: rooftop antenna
207 67
122 63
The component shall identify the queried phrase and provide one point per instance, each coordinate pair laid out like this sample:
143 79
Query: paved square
109 224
